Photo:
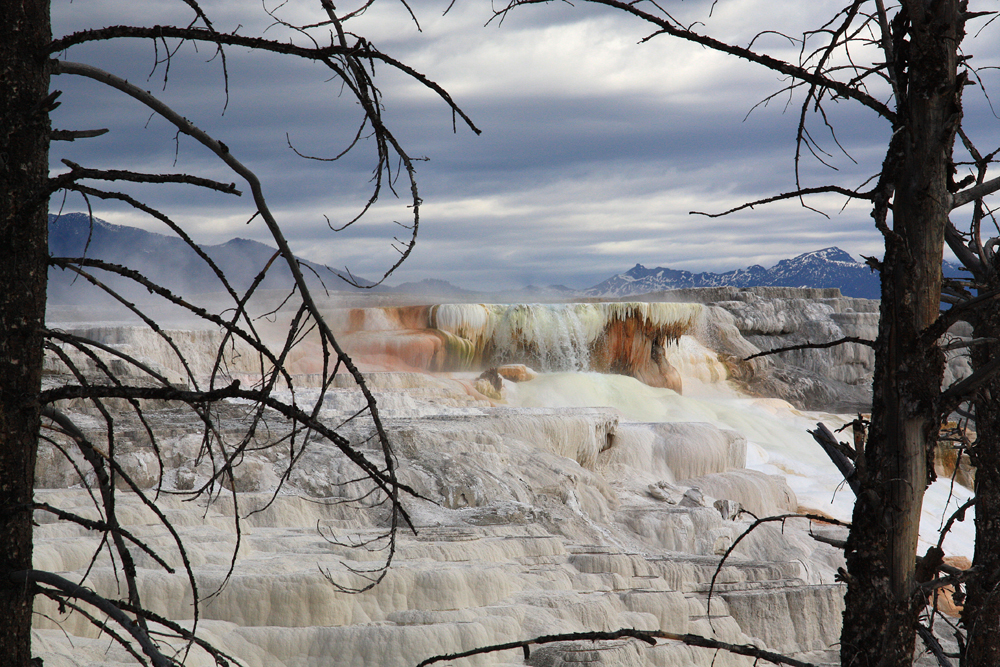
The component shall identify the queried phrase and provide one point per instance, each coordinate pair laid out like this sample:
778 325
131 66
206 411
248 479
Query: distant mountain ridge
166 260
829 267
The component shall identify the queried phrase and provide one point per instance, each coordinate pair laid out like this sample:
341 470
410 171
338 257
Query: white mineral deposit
586 497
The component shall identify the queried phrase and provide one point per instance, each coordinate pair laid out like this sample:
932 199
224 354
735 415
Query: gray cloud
594 148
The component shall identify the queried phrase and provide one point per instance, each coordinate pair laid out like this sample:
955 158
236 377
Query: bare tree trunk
24 137
981 613
882 602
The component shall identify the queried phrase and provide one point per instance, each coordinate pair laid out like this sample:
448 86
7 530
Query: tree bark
24 136
882 599
981 612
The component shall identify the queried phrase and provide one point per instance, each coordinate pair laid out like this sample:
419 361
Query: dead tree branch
842 457
108 608
791 195
647 636
814 346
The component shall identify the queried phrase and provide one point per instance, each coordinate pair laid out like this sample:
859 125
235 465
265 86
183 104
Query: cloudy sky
594 147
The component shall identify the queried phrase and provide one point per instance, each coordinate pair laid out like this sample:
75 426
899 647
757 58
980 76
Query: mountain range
165 260
169 261
829 267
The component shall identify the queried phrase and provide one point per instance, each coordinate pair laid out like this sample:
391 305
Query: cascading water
549 337
627 338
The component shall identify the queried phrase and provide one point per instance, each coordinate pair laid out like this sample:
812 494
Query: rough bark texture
981 613
24 136
881 609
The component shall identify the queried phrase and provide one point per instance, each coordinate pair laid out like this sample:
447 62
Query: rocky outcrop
837 378
741 322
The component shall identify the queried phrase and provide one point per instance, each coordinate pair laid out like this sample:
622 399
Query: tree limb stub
833 448
975 192
73 135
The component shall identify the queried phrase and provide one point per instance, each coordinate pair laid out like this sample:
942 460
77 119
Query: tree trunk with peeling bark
882 597
24 137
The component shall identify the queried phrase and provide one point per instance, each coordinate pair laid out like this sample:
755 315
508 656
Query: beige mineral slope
535 519
536 522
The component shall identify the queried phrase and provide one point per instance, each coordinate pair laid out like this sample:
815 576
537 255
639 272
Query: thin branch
932 644
67 602
363 50
109 608
667 27
759 522
103 527
648 636
963 389
948 580
77 172
956 313
814 346
81 343
792 195
232 391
